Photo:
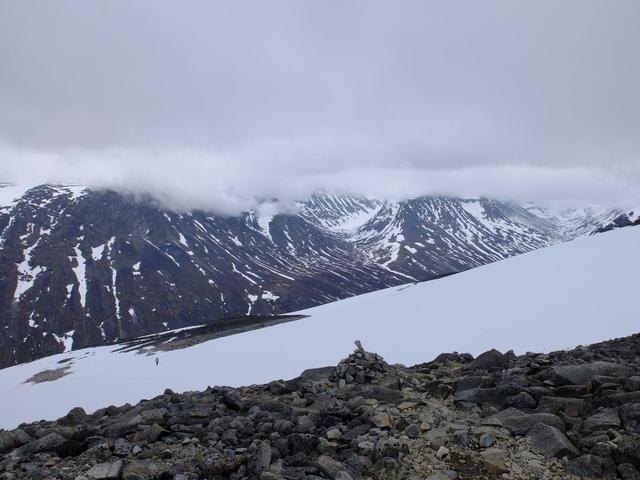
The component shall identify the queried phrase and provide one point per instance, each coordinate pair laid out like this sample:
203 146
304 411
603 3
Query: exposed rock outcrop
365 419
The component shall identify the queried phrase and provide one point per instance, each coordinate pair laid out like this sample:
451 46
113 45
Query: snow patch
66 339
80 272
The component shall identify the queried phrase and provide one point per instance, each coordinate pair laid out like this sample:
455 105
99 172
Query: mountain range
82 267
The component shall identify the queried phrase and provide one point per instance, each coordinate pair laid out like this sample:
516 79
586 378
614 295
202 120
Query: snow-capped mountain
575 222
428 237
80 267
585 291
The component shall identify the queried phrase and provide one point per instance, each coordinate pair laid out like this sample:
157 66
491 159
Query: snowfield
574 293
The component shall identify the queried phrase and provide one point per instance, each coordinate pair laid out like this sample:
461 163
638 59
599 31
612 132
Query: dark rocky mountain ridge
83 267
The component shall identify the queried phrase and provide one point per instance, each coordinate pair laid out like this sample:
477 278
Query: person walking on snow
157 360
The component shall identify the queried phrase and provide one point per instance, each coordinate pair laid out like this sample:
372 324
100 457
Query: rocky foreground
565 414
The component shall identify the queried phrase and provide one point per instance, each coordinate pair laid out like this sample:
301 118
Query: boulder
630 415
49 443
487 439
121 427
572 407
490 360
11 440
628 472
520 400
494 461
603 420
75 416
314 375
551 442
106 471
583 373
137 471
519 423
330 466
628 450
585 466
263 457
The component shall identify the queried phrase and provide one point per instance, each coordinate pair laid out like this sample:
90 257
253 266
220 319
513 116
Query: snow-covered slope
574 293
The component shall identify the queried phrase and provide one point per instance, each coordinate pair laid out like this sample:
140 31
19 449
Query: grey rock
381 420
438 437
628 472
461 437
389 447
490 360
630 415
14 439
628 450
412 431
136 471
343 475
442 452
264 454
603 420
321 374
305 424
329 466
123 426
494 461
48 443
521 400
474 381
122 447
632 384
589 466
551 442
584 373
487 440
154 415
106 471
438 476
573 407
519 423
74 417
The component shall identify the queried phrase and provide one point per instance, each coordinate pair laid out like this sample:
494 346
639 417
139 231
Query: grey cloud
217 104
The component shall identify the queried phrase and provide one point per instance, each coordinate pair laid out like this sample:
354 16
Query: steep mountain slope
428 236
81 268
585 290
339 213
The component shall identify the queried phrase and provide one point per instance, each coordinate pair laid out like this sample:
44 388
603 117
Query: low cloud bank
229 183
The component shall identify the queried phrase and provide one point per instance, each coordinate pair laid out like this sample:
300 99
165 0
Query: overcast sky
215 104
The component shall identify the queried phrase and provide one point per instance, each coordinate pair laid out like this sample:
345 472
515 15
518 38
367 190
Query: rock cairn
361 367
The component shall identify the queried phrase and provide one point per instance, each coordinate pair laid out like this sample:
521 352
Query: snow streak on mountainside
585 291
342 214
81 268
